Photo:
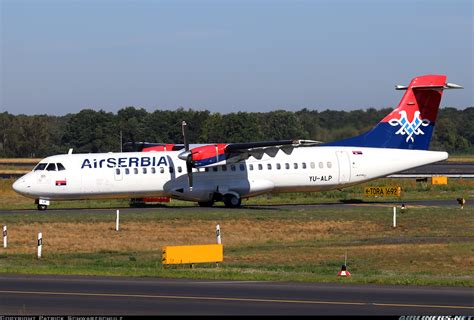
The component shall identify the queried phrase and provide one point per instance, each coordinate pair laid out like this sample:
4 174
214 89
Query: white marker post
117 221
394 217
5 240
218 234
40 244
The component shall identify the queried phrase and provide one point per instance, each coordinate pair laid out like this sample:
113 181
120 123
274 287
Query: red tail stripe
425 101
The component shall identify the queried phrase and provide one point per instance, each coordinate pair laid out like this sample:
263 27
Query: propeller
187 155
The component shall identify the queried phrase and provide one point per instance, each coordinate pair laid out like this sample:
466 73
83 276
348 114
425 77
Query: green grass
430 246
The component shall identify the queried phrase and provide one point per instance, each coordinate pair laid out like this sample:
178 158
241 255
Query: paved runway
59 295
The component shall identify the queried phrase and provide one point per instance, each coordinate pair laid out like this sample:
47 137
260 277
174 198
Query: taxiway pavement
74 295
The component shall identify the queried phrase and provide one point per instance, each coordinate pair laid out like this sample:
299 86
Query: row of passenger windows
231 167
49 167
145 170
295 165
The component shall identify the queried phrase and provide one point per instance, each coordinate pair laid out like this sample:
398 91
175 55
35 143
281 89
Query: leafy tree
92 131
99 131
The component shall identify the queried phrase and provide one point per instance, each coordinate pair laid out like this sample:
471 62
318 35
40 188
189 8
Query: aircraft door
344 163
118 174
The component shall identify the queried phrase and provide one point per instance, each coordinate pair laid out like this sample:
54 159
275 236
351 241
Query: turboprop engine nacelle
205 155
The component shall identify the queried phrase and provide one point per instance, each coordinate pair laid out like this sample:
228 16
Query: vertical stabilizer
410 125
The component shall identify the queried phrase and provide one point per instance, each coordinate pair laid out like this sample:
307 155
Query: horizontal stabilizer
431 87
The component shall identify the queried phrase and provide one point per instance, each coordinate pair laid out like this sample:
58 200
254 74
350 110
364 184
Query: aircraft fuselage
141 174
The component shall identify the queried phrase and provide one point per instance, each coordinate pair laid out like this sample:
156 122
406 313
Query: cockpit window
60 167
40 166
51 167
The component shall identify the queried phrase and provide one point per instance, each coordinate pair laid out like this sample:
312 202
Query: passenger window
303 165
242 167
232 167
224 168
287 166
144 170
153 170
51 167
329 164
278 166
162 170
40 166
269 166
180 169
260 167
135 170
313 165
295 165
117 171
60 167
321 165
250 167
127 171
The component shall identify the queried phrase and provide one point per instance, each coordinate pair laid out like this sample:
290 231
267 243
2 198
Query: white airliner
230 172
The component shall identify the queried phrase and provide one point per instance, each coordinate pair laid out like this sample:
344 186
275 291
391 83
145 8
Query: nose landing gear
42 204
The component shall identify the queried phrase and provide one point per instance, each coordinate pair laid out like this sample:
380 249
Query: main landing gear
231 200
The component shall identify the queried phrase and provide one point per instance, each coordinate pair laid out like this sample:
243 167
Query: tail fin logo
409 128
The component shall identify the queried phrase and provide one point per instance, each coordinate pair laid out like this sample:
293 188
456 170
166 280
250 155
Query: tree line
100 131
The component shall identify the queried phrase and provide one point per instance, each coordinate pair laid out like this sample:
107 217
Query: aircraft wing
248 146
217 154
241 151
208 155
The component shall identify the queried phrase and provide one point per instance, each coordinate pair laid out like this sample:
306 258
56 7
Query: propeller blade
187 155
189 168
184 127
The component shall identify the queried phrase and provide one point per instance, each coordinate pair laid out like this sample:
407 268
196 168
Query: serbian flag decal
61 182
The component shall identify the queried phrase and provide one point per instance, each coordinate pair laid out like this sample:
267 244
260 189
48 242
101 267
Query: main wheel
232 201
42 207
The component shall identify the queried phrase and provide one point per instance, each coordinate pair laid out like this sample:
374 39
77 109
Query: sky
61 56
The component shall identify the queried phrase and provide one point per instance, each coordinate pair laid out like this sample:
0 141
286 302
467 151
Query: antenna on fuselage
70 151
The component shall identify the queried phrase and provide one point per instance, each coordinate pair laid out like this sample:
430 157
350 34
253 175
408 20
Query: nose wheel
42 204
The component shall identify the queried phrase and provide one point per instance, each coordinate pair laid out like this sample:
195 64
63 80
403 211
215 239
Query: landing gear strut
42 207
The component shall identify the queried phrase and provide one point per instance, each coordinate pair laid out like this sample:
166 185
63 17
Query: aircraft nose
19 185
